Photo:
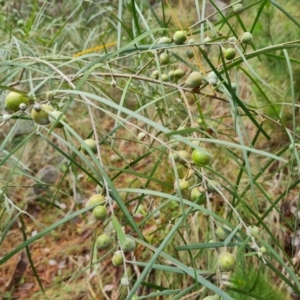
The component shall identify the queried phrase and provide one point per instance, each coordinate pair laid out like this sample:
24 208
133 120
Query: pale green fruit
54 115
103 242
164 58
263 249
194 80
40 114
190 53
164 40
232 39
221 233
164 77
155 74
246 38
178 73
229 53
179 37
50 95
175 156
184 156
100 213
207 40
90 143
6 117
191 42
174 144
128 245
95 199
114 158
171 75
200 158
156 215
254 230
14 99
196 196
212 78
117 259
226 261
142 136
183 185
124 281
237 8
135 296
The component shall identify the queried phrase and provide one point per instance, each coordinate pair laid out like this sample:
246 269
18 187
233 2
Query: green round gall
40 114
128 245
212 78
200 158
114 158
175 156
246 38
164 40
191 42
237 8
103 242
179 37
117 259
6 117
54 115
229 53
232 39
164 77
184 156
90 143
124 281
164 58
50 95
190 53
254 230
95 199
263 249
173 144
194 80
196 196
171 75
100 213
142 136
221 233
14 99
156 215
155 74
183 185
226 261
178 73
207 40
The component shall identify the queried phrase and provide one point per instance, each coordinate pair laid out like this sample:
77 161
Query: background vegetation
99 62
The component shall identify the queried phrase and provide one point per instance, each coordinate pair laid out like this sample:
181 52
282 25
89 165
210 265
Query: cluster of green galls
103 241
197 158
42 114
195 78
